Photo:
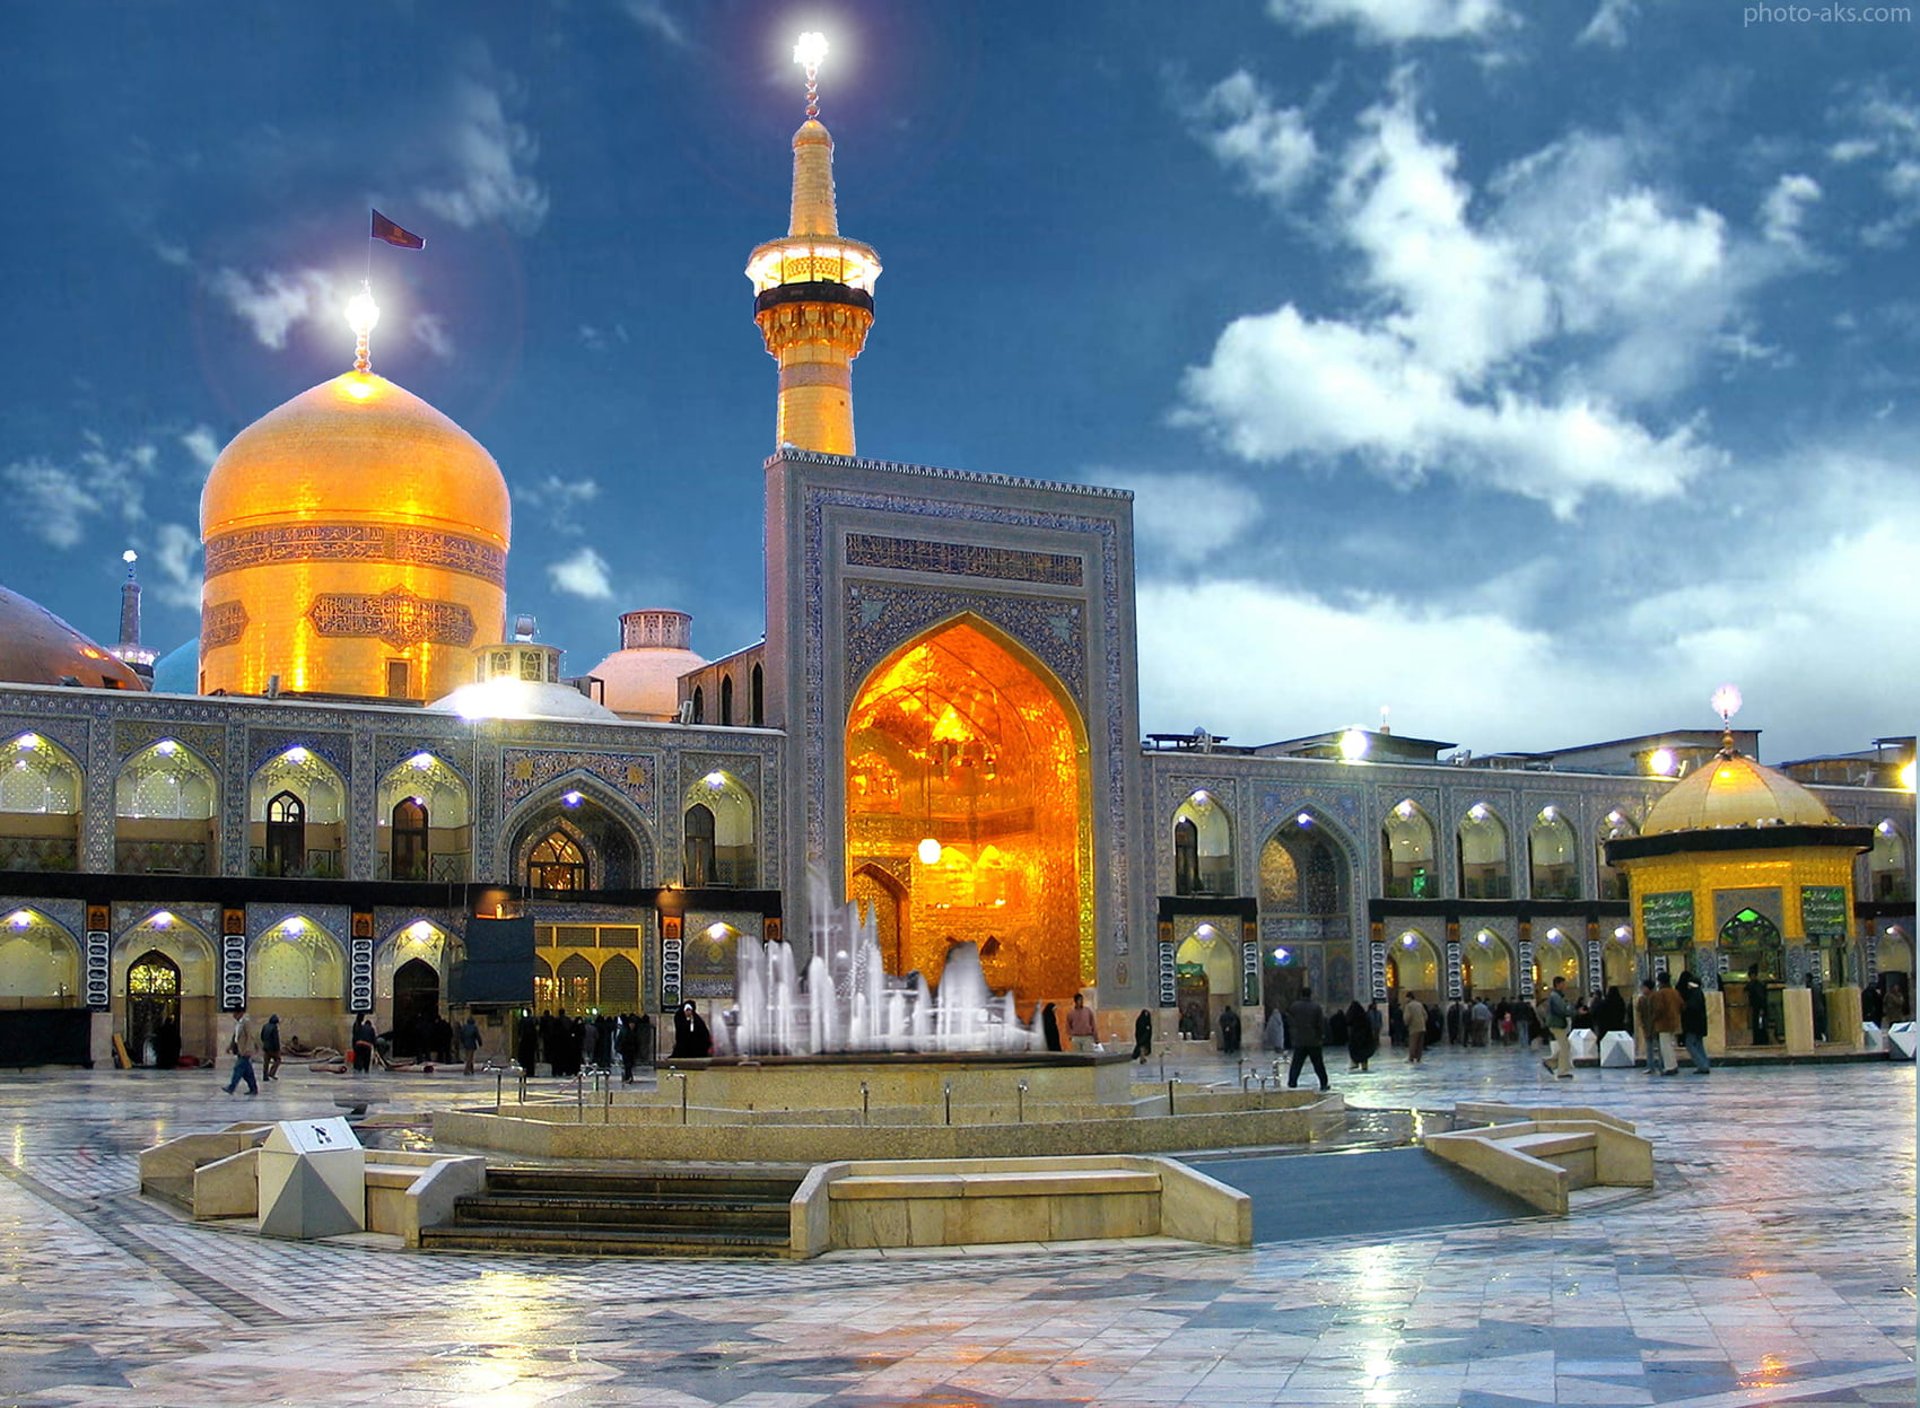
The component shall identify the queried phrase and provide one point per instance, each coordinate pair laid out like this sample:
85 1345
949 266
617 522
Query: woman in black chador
1143 1035
690 1034
1050 1027
1361 1040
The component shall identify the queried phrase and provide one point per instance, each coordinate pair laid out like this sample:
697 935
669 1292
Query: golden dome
1734 790
356 544
357 447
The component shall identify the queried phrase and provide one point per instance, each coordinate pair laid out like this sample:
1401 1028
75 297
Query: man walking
469 1040
1643 1025
1667 1010
1559 1019
243 1047
1307 1021
1414 1011
1693 1022
1080 1026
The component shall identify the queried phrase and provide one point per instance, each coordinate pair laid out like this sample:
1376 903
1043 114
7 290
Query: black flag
385 229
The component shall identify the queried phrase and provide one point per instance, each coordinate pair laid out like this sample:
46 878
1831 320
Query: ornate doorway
967 781
416 1006
153 998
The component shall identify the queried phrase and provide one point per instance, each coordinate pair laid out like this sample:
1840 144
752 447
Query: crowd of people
569 1045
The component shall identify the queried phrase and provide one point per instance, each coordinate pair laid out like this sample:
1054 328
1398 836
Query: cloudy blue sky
1530 369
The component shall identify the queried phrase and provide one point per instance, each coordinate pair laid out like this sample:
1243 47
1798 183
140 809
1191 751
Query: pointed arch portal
968 779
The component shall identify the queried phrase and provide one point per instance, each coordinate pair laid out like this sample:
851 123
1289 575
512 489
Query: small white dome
642 678
520 699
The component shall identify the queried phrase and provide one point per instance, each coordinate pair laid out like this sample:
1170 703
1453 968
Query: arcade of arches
968 811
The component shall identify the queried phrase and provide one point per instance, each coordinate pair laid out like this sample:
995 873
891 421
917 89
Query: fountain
848 1002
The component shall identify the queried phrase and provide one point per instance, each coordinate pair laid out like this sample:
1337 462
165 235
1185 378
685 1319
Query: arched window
1551 853
40 793
557 864
699 705
1888 877
620 985
1613 883
577 986
726 700
1483 855
165 800
410 844
1406 853
759 696
1202 847
286 834
699 859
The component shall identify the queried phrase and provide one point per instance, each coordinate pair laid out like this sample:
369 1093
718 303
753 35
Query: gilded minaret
813 291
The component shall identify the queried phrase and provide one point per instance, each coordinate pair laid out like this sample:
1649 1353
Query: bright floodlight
1353 744
363 314
810 50
1661 762
129 557
929 851
1726 701
1906 775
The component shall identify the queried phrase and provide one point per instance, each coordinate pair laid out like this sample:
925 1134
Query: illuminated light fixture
20 919
1623 934
570 799
716 932
1549 812
1405 810
1202 798
1615 819
295 925
1483 938
1554 936
1726 702
1477 812
421 931
1661 763
1354 744
166 747
1304 819
27 740
1907 775
811 49
1408 941
715 780
1207 933
929 851
420 762
163 920
418 801
296 755
363 314
1885 828
1281 955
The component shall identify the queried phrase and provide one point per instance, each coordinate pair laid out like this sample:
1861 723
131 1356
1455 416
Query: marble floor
1773 1264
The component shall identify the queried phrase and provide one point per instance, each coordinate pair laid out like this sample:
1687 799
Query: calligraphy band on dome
356 542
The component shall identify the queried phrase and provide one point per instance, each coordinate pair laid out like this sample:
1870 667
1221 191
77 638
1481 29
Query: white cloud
430 331
1890 134
1609 24
562 500
59 502
1508 338
174 254
203 445
1186 518
585 574
487 156
175 556
652 16
272 303
1271 145
1785 208
1396 21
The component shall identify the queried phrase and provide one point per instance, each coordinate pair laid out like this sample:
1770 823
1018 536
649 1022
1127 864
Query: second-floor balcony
304 865
446 868
39 853
161 857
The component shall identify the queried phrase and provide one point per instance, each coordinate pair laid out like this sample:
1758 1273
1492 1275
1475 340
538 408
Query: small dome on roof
642 678
504 698
37 647
1734 790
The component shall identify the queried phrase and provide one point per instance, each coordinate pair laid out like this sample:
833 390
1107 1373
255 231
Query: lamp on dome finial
363 316
808 53
1726 703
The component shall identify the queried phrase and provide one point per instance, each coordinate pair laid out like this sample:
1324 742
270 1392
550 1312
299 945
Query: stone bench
1541 1161
964 1202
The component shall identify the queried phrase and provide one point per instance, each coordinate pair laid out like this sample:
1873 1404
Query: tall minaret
813 290
130 651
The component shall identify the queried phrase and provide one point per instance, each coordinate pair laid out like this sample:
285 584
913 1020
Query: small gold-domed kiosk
1745 876
356 544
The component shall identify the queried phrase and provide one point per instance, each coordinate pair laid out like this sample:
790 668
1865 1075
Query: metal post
681 1076
863 1102
1021 1088
1170 1085
499 1089
523 1086
947 1092
580 1098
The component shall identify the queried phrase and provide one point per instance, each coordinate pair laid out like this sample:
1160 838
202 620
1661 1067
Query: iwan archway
968 787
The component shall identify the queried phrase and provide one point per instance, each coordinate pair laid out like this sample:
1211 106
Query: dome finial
363 316
1726 703
808 53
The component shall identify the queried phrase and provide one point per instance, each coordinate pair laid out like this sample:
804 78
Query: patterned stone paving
1774 1264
